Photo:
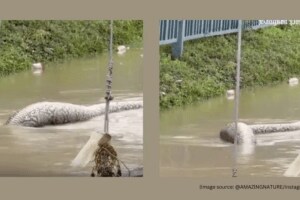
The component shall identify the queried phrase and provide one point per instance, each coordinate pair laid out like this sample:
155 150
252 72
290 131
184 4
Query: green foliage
25 42
207 67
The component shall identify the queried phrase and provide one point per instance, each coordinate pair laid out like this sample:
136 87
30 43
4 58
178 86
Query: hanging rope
237 94
86 153
107 163
108 96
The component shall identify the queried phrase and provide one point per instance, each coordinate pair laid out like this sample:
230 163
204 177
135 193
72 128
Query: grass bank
207 67
25 42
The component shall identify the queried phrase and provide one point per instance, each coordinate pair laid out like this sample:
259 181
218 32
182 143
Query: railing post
177 48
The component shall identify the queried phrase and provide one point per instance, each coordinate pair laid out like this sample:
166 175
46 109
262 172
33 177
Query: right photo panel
229 98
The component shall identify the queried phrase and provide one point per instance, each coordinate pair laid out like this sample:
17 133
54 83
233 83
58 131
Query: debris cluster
106 159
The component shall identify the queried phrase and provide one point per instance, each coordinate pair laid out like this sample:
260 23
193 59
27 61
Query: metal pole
237 94
108 96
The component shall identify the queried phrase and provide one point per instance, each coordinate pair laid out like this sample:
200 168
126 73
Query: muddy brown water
190 144
48 151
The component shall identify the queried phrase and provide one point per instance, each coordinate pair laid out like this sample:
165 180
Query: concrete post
177 48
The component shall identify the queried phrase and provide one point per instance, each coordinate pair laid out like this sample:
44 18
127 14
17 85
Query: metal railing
176 32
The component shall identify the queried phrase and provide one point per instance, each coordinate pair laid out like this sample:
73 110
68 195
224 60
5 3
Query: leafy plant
207 67
23 42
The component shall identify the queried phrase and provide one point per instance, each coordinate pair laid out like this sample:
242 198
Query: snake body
54 113
246 133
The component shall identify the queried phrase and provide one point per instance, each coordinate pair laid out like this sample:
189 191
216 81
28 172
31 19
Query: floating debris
37 68
122 49
293 81
230 94
106 160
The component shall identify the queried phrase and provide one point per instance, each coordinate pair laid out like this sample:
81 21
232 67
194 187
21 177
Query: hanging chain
108 96
237 94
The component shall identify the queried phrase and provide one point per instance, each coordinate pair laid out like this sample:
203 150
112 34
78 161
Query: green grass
207 67
25 42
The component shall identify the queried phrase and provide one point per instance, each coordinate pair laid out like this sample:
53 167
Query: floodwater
190 145
49 151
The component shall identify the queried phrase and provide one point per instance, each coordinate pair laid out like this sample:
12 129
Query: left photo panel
71 98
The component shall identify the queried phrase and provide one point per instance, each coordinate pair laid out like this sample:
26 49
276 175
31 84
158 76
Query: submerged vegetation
25 42
207 67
